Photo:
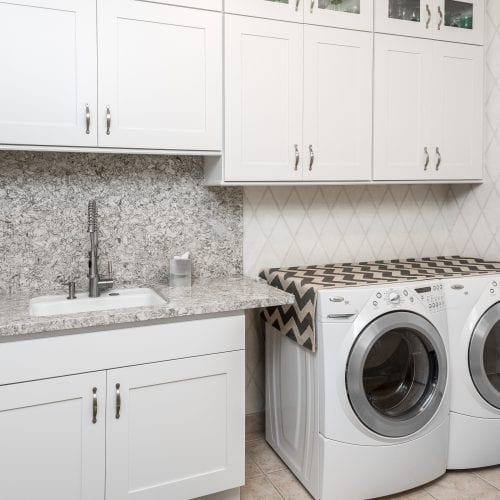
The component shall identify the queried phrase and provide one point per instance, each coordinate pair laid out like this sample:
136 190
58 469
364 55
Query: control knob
394 298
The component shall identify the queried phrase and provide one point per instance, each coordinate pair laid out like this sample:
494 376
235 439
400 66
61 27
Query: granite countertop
206 296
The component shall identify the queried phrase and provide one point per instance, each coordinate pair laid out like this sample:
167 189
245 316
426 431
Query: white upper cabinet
52 435
337 104
284 10
175 430
457 111
353 14
264 82
402 108
160 76
48 87
459 21
449 20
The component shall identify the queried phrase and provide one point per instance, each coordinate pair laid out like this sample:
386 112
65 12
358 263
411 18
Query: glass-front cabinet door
284 10
459 21
354 14
404 17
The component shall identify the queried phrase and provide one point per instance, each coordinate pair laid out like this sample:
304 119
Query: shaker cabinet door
264 83
52 441
48 83
350 14
175 430
284 10
402 108
337 104
457 111
160 76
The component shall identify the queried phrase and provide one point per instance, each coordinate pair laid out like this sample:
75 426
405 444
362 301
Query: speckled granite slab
207 296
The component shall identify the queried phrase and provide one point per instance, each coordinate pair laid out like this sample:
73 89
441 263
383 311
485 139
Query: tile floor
267 478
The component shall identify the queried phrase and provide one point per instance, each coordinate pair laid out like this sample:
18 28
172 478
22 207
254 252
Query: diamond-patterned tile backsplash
313 225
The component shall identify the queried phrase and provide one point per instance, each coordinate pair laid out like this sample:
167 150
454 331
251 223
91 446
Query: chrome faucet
95 283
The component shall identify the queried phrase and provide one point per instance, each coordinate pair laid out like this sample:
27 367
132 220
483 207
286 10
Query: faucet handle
71 290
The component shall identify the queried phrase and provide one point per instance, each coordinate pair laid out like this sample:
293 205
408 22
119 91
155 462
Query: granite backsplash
150 208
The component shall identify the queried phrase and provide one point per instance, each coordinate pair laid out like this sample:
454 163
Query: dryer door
396 374
484 356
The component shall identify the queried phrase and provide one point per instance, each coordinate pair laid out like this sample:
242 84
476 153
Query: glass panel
350 6
405 10
491 356
399 373
458 14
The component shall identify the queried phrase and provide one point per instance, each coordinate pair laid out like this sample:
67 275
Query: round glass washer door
396 374
484 356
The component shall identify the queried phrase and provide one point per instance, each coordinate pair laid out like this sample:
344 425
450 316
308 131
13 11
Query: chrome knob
394 298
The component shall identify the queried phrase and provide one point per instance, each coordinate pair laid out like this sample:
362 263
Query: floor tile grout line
282 495
484 480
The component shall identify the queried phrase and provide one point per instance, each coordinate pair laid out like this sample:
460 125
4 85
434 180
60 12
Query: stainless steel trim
312 6
427 158
297 3
297 156
94 405
311 157
341 316
438 154
118 401
416 419
476 355
108 120
429 16
440 12
87 119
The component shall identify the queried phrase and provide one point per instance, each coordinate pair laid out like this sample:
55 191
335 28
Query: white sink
112 299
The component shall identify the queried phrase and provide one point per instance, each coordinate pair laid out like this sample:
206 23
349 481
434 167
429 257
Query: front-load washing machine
367 415
473 305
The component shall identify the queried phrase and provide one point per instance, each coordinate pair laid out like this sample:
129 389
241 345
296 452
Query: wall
150 207
294 226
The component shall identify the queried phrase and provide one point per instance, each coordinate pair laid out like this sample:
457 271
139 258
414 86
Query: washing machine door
484 356
396 374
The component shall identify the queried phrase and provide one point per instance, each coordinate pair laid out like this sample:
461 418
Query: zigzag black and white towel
297 321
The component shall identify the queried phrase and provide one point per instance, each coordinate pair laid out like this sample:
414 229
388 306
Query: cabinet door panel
458 111
351 14
337 104
49 447
49 72
402 108
404 17
264 82
160 74
181 428
284 10
459 21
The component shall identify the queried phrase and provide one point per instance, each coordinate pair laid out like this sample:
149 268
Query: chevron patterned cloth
297 321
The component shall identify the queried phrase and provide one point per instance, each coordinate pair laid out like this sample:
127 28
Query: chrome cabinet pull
87 119
297 3
312 6
297 157
311 157
108 120
94 405
438 154
118 401
429 16
427 158
440 12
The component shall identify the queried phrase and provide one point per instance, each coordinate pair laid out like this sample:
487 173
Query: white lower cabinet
158 414
175 430
52 439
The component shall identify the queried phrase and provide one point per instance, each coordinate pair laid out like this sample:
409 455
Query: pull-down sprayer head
92 227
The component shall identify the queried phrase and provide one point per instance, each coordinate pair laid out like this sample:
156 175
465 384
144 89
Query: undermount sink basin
112 299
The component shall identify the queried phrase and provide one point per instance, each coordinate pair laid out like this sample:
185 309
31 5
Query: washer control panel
431 296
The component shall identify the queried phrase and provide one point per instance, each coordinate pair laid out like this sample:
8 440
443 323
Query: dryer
473 305
367 415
